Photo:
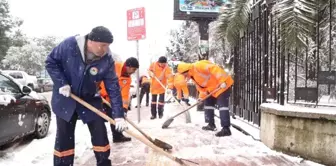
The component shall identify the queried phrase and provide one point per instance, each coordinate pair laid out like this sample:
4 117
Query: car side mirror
26 90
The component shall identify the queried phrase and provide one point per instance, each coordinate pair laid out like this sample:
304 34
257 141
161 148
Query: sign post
136 30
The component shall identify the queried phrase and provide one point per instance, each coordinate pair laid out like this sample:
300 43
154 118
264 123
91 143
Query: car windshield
7 75
45 81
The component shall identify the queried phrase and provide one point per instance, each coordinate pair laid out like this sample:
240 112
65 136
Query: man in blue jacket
76 66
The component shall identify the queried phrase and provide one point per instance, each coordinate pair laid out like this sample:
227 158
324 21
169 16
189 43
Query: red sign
136 24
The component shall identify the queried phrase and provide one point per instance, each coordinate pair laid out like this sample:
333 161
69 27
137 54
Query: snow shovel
145 141
188 119
164 87
168 101
157 142
170 120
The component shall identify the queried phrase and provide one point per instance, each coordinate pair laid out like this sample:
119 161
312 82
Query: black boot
137 106
147 104
160 112
210 126
224 132
121 138
152 117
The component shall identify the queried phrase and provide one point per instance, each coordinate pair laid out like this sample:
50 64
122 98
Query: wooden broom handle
145 141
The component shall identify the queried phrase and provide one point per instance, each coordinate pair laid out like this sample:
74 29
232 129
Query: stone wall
306 132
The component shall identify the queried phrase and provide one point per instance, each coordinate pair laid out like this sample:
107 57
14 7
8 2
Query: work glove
223 85
65 90
120 124
6 99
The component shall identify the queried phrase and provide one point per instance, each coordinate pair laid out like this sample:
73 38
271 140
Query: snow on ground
39 152
189 141
292 108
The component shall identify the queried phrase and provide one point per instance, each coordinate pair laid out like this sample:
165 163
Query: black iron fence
265 71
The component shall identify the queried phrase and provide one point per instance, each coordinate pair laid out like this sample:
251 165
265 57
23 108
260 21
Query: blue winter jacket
65 65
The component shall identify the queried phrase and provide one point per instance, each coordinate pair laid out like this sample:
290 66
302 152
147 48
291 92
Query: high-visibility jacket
180 83
164 74
208 76
124 82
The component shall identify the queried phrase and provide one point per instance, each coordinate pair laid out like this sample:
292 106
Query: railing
266 71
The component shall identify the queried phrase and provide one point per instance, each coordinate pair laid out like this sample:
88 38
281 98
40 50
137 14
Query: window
16 75
8 86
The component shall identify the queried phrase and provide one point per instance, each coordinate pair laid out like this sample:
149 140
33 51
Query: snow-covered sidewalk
189 141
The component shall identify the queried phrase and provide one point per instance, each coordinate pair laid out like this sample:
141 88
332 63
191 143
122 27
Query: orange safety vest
180 83
124 83
164 75
208 76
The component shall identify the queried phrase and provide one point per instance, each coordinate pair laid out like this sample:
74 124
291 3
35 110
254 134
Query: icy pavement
188 140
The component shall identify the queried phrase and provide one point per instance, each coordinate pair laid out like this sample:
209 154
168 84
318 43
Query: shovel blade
162 144
167 123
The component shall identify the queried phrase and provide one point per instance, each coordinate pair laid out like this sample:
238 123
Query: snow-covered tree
48 42
18 39
220 52
184 43
7 24
31 56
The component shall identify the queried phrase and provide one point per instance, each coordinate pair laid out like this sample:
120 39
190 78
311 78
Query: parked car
29 115
44 85
23 78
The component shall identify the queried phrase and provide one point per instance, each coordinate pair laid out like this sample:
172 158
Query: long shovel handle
156 142
145 141
164 87
192 106
130 122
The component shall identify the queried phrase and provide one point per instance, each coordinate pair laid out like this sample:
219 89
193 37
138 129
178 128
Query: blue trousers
65 142
222 102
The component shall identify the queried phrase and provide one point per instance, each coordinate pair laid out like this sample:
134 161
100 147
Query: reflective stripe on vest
206 77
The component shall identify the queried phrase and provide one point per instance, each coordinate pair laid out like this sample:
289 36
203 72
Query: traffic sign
136 24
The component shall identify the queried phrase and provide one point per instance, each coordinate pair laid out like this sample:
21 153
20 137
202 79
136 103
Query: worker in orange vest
180 83
144 83
124 72
208 77
162 72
